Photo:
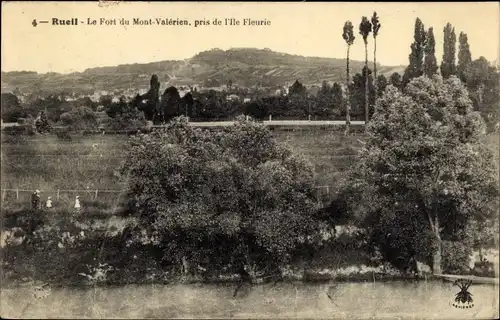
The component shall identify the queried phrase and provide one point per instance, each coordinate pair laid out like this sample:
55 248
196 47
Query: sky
308 29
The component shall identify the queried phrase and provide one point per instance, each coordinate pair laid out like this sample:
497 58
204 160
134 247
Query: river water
389 300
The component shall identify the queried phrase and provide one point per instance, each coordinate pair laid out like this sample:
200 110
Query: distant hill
245 67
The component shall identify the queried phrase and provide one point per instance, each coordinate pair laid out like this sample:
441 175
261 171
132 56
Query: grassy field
90 163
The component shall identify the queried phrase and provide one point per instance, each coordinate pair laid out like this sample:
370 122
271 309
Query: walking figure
35 200
77 203
48 203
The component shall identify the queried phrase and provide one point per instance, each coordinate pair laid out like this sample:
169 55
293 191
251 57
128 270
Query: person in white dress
48 203
77 203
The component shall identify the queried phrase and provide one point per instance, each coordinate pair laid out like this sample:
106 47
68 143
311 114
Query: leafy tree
325 90
416 67
257 109
448 66
376 27
348 36
297 88
106 101
382 84
396 80
483 83
337 97
226 197
278 106
170 104
149 103
187 102
81 118
325 102
52 104
430 62
424 172
125 116
11 108
214 106
358 91
118 107
86 102
464 55
365 27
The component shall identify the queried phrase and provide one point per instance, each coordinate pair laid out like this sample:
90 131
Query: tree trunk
348 101
375 66
436 261
366 85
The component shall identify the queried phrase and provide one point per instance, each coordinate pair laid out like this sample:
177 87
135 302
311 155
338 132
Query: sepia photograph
250 160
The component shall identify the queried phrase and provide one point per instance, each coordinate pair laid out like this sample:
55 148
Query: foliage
464 55
297 88
11 108
170 103
396 81
376 24
424 161
365 27
348 34
113 108
106 101
81 118
381 84
376 27
357 92
416 67
456 257
448 66
430 62
125 116
235 190
483 84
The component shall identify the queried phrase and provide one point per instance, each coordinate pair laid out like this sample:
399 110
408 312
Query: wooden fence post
17 194
95 198
57 195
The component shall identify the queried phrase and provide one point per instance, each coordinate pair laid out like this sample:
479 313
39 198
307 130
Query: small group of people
36 201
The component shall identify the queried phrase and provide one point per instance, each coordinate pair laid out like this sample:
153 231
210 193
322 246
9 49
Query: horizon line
184 59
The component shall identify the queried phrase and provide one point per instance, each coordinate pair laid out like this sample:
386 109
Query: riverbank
395 299
79 252
352 274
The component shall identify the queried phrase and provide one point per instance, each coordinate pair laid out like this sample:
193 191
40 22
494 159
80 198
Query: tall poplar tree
448 66
365 27
416 58
430 61
348 36
376 27
464 55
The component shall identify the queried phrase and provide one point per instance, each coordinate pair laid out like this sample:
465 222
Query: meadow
89 163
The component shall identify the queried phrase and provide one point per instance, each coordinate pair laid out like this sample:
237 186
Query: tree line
480 77
354 99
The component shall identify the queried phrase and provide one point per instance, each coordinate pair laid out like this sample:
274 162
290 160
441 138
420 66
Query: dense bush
81 118
234 196
456 257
